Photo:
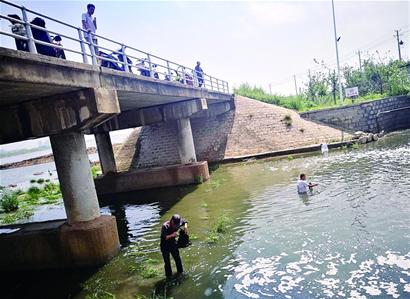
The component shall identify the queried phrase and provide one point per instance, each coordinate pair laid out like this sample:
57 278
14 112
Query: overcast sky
260 43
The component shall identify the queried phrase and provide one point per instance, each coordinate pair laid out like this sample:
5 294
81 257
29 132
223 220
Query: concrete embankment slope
251 129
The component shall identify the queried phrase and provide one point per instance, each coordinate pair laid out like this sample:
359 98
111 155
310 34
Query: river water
349 238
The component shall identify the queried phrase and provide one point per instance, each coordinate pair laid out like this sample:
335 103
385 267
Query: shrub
287 119
199 179
95 171
9 201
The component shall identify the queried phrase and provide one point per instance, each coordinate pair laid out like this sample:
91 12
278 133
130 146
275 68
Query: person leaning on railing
90 26
42 35
19 29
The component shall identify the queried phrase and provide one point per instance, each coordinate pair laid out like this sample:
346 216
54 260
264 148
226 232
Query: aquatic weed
219 227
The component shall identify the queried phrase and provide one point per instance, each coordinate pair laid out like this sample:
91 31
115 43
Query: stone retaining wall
367 117
251 129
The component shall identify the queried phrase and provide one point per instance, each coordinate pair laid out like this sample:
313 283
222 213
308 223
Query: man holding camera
169 243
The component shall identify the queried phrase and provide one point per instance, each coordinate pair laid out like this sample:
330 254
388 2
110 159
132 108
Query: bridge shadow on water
162 199
66 283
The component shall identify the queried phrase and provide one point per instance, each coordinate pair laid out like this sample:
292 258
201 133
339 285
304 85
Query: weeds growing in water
355 145
290 157
17 204
219 227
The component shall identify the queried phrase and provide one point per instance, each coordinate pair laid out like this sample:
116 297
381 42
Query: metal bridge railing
120 56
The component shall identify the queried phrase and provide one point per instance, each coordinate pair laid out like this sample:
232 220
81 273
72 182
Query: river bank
46 159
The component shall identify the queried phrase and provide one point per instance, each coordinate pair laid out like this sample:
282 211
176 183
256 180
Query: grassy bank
299 103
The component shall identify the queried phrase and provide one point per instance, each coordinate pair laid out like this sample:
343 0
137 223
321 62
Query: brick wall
368 117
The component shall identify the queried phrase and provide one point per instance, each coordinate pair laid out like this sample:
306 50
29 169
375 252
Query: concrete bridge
47 96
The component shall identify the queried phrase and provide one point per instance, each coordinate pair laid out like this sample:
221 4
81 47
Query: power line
366 47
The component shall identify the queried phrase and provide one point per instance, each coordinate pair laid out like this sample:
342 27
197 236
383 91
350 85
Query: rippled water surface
349 238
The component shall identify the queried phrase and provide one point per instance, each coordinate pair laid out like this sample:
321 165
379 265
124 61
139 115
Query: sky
263 43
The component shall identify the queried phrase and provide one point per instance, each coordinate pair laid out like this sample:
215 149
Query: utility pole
337 54
360 61
398 42
296 86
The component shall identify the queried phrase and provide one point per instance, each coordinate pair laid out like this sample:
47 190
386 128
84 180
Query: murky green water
350 238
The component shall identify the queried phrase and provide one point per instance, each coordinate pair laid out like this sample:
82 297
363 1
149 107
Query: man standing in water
303 186
169 244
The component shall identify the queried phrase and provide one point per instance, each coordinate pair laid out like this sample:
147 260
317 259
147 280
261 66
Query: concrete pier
105 153
77 185
186 148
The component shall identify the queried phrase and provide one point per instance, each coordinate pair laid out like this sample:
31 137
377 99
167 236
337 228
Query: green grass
299 103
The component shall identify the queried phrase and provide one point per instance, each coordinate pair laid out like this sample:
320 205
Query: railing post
227 87
212 85
169 71
217 84
151 73
31 44
183 75
125 59
92 49
84 54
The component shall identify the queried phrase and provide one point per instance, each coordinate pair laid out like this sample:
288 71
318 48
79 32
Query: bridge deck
26 77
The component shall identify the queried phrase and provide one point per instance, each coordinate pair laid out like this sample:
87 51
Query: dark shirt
165 231
170 244
199 71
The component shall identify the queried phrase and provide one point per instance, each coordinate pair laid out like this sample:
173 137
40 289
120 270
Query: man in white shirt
90 25
303 186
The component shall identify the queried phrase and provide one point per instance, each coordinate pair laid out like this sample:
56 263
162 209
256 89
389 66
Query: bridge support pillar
186 148
105 153
77 185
